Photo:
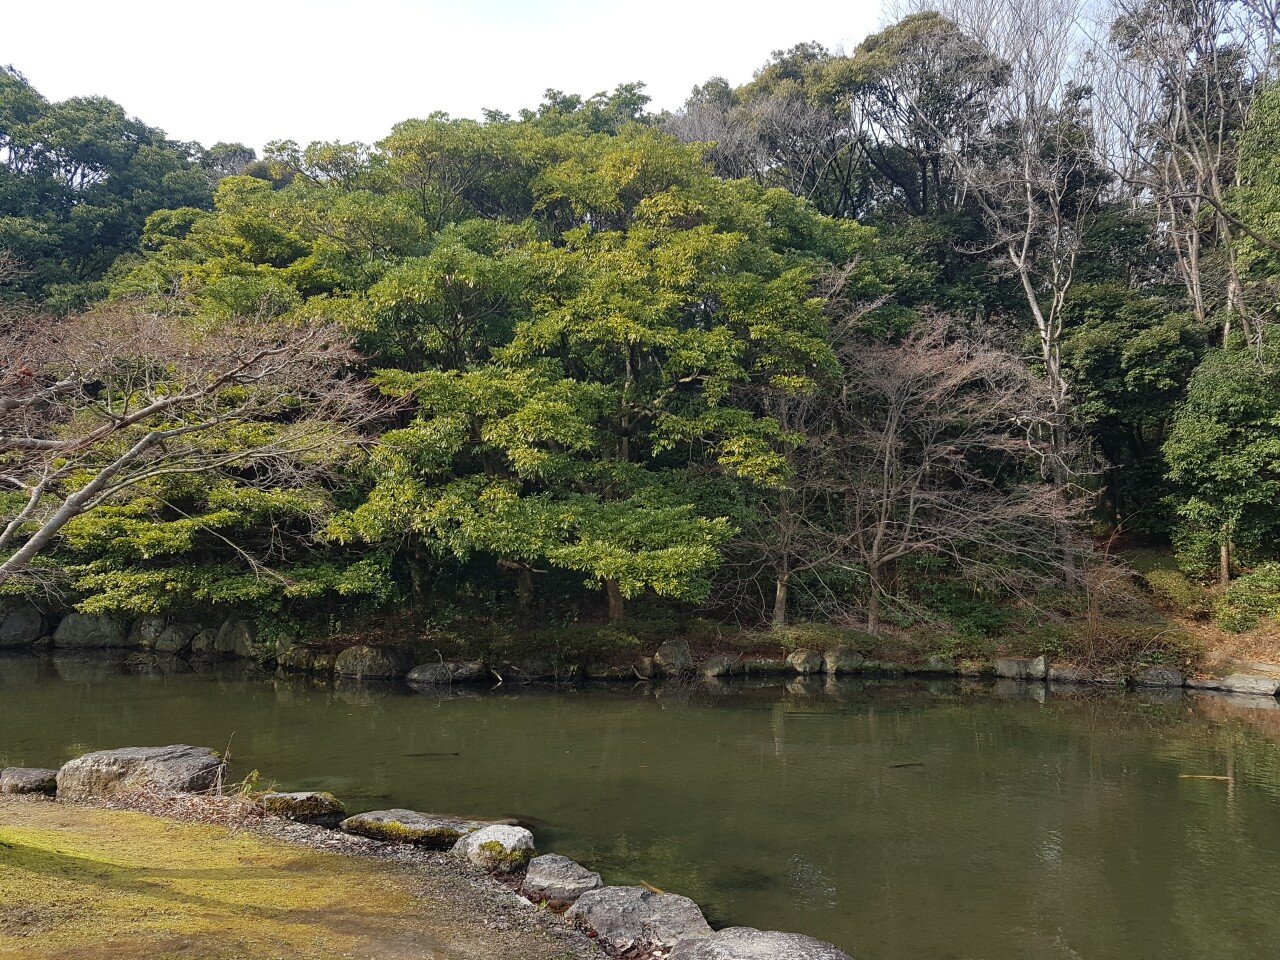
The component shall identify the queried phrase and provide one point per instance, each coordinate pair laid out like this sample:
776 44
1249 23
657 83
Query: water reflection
941 818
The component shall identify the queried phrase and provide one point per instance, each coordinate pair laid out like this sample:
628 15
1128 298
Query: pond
908 821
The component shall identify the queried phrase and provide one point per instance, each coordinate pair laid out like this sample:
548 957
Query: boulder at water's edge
620 914
174 769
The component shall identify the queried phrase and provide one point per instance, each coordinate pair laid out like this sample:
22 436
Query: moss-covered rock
176 637
297 659
805 662
765 665
410 826
672 659
842 659
1022 668
20 626
81 631
498 849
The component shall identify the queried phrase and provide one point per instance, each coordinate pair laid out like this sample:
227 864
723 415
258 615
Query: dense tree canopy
77 181
616 348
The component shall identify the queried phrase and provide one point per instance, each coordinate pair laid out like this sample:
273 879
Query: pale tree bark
1176 83
1031 168
96 406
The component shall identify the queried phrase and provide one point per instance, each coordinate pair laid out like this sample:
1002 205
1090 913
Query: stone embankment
24 627
630 922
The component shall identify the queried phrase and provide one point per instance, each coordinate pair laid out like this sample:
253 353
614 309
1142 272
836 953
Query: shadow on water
908 819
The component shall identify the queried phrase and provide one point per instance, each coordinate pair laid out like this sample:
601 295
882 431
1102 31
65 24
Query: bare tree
94 406
935 446
1032 169
786 536
940 445
1175 84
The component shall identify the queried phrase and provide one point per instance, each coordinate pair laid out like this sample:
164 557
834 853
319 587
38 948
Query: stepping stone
410 826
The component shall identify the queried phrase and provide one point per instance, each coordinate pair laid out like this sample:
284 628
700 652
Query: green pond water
910 821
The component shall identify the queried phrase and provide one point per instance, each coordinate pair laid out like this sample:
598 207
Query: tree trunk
73 506
780 599
873 600
524 584
417 583
1224 561
617 609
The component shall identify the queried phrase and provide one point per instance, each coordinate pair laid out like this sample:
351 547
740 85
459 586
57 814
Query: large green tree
78 179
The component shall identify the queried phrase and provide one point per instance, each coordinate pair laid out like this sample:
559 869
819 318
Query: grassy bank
90 883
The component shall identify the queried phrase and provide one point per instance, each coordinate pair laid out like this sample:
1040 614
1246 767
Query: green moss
820 636
503 860
310 807
97 883
436 838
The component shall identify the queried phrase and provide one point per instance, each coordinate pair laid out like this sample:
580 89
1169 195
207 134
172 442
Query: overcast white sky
322 70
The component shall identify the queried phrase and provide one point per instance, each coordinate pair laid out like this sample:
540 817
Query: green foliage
1178 593
1223 455
183 544
77 181
590 328
820 637
1251 599
1256 199
1130 356
972 614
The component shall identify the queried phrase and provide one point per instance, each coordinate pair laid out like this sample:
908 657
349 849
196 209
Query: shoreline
487 869
1257 683
479 911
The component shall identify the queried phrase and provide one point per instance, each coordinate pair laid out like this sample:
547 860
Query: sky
253 72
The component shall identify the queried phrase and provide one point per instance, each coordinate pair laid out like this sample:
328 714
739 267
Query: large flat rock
1022 668
372 663
746 943
82 631
1244 683
621 914
174 769
410 826
1160 677
553 877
